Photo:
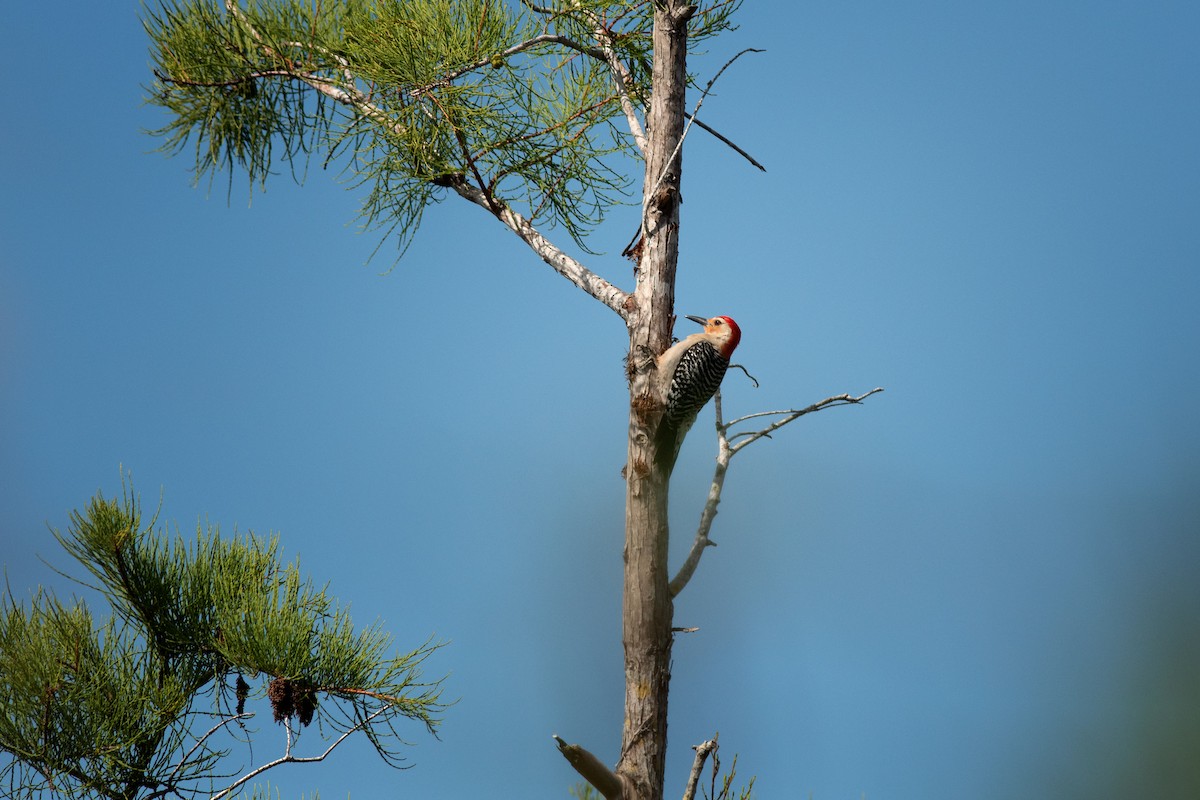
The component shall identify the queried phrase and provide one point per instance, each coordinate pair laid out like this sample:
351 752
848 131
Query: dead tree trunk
647 607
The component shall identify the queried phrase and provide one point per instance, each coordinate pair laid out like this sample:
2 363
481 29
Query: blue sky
980 584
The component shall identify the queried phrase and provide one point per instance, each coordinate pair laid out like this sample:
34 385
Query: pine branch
343 90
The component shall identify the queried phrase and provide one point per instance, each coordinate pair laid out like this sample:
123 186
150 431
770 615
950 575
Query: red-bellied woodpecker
689 373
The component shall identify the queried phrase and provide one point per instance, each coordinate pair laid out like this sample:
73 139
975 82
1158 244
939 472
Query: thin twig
738 150
792 416
187 756
465 149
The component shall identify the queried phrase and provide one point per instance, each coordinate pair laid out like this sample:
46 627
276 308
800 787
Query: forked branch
726 449
170 781
789 415
288 758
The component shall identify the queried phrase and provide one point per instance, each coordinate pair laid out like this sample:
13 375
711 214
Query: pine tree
152 700
532 112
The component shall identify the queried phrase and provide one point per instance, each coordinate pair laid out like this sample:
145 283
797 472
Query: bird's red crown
716 324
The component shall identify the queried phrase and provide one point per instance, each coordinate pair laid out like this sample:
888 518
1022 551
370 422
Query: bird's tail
667 443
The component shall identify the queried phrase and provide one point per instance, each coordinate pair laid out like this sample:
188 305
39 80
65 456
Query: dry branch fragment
703 750
591 769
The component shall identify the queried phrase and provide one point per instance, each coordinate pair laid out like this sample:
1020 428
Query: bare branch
607 782
563 264
708 88
702 542
199 742
545 38
539 9
726 141
702 752
621 78
791 416
692 118
288 758
725 453
326 86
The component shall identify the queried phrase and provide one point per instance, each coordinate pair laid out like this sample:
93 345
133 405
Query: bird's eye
718 321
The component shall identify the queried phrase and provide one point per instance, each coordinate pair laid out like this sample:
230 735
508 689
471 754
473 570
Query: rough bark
647 607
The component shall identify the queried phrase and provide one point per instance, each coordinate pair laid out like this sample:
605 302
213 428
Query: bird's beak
700 320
